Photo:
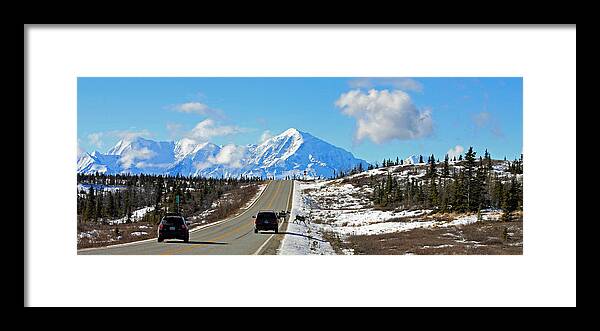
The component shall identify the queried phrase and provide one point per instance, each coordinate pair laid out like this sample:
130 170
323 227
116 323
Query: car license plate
172 228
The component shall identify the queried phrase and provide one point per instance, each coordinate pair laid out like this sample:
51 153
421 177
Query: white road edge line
269 239
191 231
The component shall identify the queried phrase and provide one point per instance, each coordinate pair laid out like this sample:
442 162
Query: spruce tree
389 184
432 167
512 197
446 168
90 206
433 193
375 197
488 160
459 193
469 178
100 206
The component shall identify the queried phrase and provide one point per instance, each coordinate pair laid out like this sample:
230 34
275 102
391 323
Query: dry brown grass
108 236
229 205
481 238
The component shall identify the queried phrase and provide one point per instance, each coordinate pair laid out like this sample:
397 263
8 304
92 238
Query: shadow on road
192 242
292 234
245 234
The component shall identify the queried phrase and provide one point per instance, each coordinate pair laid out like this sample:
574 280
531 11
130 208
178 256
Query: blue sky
374 118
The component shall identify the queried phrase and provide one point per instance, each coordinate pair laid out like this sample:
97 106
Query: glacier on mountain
290 153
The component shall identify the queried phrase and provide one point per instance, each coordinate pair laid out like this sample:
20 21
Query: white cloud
202 165
192 107
130 134
361 83
207 129
130 156
265 136
230 155
383 115
197 108
95 139
455 151
407 84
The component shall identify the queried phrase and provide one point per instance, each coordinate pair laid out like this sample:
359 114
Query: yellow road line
214 239
271 236
274 195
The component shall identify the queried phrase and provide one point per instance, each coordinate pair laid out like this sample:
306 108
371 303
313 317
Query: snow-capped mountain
287 154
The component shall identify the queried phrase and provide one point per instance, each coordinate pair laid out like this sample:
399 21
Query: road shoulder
274 244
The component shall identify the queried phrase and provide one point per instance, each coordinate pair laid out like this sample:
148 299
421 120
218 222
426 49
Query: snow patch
302 239
135 216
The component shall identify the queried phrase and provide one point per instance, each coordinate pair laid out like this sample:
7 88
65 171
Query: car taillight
160 226
183 226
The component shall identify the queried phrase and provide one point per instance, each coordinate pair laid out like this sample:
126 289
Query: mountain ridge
288 154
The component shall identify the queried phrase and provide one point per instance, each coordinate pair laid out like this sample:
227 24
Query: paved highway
234 236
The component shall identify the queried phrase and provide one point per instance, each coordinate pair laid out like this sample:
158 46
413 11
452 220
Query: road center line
269 239
234 230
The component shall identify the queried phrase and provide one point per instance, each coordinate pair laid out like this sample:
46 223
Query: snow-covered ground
302 239
99 187
135 216
88 234
418 170
344 210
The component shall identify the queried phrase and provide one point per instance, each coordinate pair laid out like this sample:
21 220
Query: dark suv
266 220
173 227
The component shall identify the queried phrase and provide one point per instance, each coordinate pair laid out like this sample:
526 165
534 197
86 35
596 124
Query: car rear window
172 221
266 216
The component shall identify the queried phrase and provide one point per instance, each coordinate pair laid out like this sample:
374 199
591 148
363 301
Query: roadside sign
177 199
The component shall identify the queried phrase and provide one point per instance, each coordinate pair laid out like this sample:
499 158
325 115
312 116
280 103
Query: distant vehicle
266 220
173 226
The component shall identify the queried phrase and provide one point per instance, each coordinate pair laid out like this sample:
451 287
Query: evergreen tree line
355 170
515 167
468 189
138 191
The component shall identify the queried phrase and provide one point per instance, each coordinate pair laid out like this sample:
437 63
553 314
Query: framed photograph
382 161
300 165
